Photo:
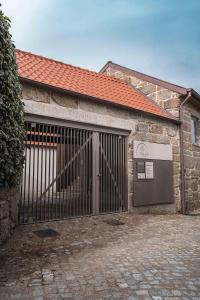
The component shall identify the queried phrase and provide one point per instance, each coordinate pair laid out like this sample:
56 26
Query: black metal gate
71 172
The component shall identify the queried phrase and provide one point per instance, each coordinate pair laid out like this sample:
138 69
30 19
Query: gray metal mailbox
153 174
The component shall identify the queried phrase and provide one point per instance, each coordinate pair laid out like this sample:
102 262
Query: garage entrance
71 172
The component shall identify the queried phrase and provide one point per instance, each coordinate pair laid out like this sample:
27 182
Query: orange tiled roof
82 81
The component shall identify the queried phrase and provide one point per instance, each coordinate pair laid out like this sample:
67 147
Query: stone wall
192 160
8 212
141 127
165 98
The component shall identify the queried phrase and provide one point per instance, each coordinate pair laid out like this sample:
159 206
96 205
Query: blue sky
156 37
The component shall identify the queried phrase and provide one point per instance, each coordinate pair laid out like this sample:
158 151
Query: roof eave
194 94
167 85
72 93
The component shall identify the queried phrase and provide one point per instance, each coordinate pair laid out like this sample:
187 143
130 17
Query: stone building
184 104
98 144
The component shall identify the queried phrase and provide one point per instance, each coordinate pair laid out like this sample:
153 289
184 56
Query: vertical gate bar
91 168
60 178
20 199
73 182
126 173
57 170
25 167
70 178
105 177
113 172
117 173
41 173
53 171
89 176
85 175
110 173
95 173
64 177
91 172
33 181
108 164
37 168
77 176
49 169
123 168
80 174
120 163
122 172
70 171
115 141
45 168
115 162
67 174
29 175
123 186
106 174
103 173
73 176
21 212
100 172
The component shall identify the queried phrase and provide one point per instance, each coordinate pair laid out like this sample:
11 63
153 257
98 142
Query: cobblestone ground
149 257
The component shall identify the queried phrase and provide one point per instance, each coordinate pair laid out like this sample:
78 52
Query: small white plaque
149 169
152 150
141 175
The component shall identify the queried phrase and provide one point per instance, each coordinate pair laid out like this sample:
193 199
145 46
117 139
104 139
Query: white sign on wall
152 150
149 169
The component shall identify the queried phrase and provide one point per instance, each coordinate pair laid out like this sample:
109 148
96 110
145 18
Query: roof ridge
142 74
70 65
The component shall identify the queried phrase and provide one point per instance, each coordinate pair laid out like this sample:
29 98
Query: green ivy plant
11 111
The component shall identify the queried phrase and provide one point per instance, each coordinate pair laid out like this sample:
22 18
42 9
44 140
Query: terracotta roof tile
85 82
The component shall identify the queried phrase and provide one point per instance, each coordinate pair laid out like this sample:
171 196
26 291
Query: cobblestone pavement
149 257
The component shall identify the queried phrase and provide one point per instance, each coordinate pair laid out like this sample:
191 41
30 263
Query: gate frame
96 129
